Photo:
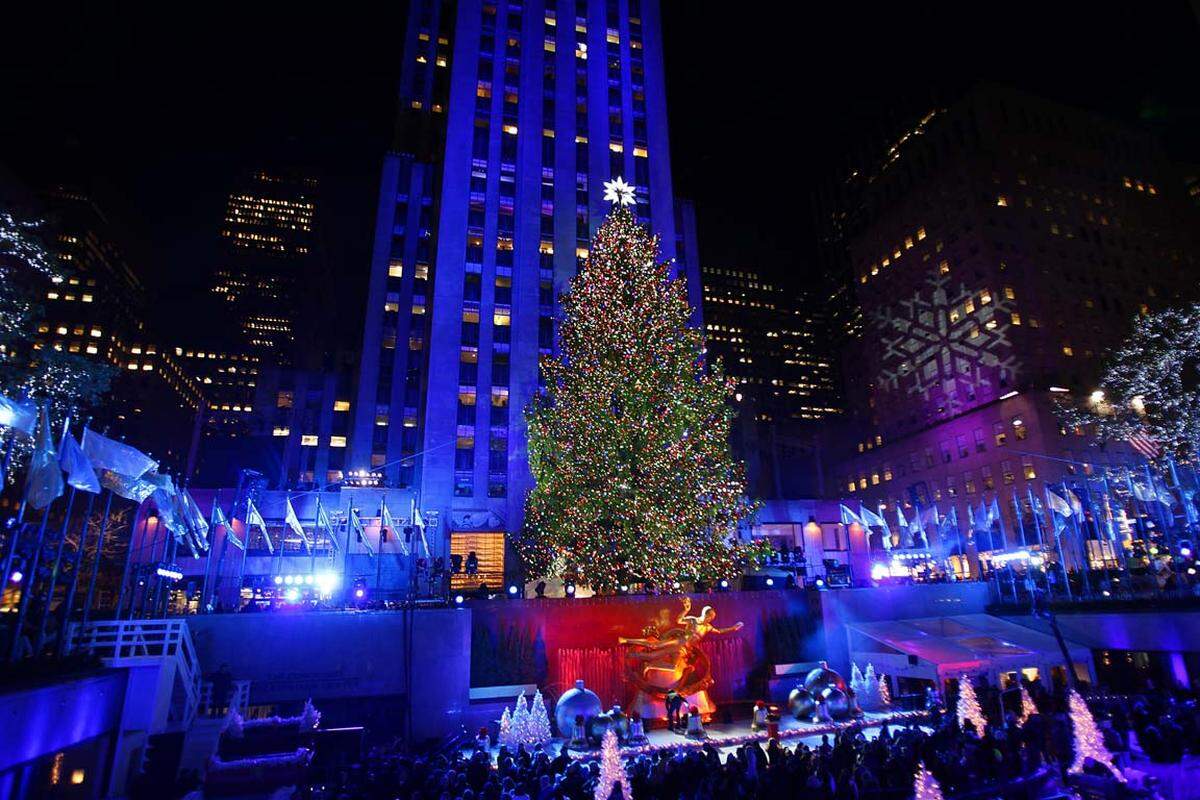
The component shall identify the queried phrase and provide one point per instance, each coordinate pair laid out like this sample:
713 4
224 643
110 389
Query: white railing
239 698
123 642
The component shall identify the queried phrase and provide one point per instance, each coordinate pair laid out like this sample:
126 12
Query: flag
74 462
136 489
195 517
254 518
419 524
1059 511
870 518
1073 499
1141 492
18 415
293 522
1057 504
902 524
43 481
1145 444
217 518
360 531
109 454
849 517
385 519
322 522
993 515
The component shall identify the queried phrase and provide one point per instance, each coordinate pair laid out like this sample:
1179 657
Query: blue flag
75 463
109 454
43 481
18 415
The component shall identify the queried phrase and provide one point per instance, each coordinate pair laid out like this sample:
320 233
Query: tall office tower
773 343
268 246
99 311
264 282
1001 249
514 114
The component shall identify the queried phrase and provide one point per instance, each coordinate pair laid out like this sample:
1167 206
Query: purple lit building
995 251
513 115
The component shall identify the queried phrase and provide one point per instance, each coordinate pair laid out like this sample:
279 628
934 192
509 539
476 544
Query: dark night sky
160 109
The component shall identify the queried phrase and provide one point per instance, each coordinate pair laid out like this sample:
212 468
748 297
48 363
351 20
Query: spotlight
458 599
724 583
570 590
675 585
359 593
308 579
292 594
17 576
879 572
288 579
1185 551
770 581
624 588
278 579
820 583
512 590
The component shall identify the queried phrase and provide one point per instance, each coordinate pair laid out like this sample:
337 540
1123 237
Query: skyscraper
513 116
774 344
999 250
268 238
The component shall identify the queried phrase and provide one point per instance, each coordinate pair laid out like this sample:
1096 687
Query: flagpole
69 599
208 556
27 588
1085 565
312 550
87 603
139 515
62 541
1062 562
1020 518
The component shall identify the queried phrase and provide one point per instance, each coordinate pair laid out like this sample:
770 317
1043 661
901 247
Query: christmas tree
968 706
629 444
539 721
504 738
1088 741
870 688
1150 385
1028 709
612 769
520 721
70 382
884 693
925 786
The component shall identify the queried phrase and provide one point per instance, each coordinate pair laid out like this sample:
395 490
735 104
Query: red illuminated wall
579 637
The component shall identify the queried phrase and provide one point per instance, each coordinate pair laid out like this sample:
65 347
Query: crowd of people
851 765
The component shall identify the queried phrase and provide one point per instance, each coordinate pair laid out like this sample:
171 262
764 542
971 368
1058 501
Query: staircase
200 744
138 642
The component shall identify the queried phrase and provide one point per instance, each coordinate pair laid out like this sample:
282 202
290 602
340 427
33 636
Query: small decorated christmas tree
968 706
310 718
520 721
612 769
505 736
885 694
539 721
1028 709
925 786
1088 741
870 689
857 684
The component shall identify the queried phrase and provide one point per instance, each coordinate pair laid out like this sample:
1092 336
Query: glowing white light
618 192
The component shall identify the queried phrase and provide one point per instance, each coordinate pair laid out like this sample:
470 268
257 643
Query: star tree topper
619 192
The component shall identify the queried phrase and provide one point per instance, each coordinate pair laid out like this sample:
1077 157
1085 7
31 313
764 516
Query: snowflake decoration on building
946 344
618 192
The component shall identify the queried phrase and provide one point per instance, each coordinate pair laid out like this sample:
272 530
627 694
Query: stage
728 737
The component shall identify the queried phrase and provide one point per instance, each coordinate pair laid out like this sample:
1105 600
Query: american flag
1145 444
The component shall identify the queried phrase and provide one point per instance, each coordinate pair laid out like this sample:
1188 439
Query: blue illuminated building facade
513 115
